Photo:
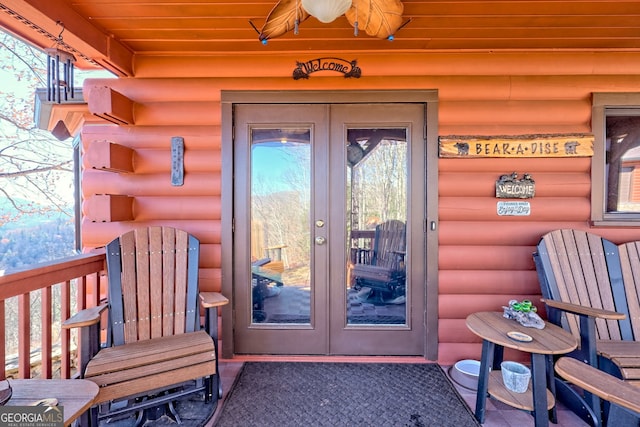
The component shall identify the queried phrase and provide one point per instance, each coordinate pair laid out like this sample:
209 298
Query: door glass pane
280 236
623 155
376 208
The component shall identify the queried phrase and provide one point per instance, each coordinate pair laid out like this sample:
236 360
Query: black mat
344 394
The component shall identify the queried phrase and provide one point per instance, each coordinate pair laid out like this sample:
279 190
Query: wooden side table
75 396
493 328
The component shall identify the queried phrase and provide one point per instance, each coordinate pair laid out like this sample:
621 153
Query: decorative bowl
466 373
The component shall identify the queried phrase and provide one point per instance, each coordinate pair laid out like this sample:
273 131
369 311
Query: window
615 173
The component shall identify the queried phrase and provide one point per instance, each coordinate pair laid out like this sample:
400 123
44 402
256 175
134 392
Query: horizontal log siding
484 259
194 206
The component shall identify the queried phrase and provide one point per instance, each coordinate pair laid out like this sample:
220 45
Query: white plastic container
515 376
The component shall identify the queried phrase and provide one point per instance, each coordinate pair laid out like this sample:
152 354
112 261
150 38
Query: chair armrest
599 383
212 299
583 310
86 317
260 262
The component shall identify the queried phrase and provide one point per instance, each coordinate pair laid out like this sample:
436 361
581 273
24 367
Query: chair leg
140 418
153 413
211 326
174 412
553 412
93 415
573 400
210 384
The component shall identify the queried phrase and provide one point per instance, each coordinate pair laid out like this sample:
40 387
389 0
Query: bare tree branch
34 166
27 64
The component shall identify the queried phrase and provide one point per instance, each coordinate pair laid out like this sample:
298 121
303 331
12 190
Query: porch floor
293 301
497 415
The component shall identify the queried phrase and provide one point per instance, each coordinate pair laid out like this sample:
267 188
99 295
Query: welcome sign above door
348 68
574 145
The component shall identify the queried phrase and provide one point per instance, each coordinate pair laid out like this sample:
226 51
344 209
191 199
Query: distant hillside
33 238
26 220
33 220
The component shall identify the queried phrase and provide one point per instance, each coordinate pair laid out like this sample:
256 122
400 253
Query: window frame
77 192
602 104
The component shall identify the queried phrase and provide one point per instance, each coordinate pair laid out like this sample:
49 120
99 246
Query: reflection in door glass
376 226
280 206
623 148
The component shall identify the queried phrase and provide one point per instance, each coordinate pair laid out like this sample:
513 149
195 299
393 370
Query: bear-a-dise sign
579 145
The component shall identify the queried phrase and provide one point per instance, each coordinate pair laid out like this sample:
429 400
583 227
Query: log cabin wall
484 259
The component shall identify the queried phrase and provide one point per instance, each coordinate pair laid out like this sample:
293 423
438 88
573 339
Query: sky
274 165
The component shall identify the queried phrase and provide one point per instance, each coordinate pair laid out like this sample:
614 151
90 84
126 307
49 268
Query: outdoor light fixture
326 10
59 71
378 18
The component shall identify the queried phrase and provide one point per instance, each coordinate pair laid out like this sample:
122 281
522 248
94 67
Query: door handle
320 240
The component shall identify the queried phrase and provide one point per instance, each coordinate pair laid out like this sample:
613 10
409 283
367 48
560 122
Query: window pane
376 208
622 163
280 237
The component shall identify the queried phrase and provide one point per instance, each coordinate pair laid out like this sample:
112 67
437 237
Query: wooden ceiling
112 32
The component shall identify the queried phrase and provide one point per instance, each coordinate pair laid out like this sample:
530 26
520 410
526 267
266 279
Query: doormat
344 394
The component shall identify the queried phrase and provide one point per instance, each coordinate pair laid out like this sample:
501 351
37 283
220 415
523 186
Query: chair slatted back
389 243
581 268
153 284
630 263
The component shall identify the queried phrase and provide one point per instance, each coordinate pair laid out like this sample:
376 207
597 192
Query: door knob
320 240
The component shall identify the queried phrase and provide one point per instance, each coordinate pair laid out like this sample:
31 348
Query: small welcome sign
348 68
574 145
512 187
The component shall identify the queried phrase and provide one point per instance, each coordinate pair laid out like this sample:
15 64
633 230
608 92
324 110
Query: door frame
429 98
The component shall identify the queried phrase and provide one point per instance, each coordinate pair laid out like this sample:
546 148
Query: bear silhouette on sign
571 147
462 147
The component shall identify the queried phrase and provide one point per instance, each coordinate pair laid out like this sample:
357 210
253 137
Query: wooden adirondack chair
156 349
382 268
590 287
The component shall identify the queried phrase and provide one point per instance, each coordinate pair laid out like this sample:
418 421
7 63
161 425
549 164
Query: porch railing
36 301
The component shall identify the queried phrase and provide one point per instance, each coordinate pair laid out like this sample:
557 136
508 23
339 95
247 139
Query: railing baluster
3 342
95 290
24 336
45 346
81 293
81 304
65 313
